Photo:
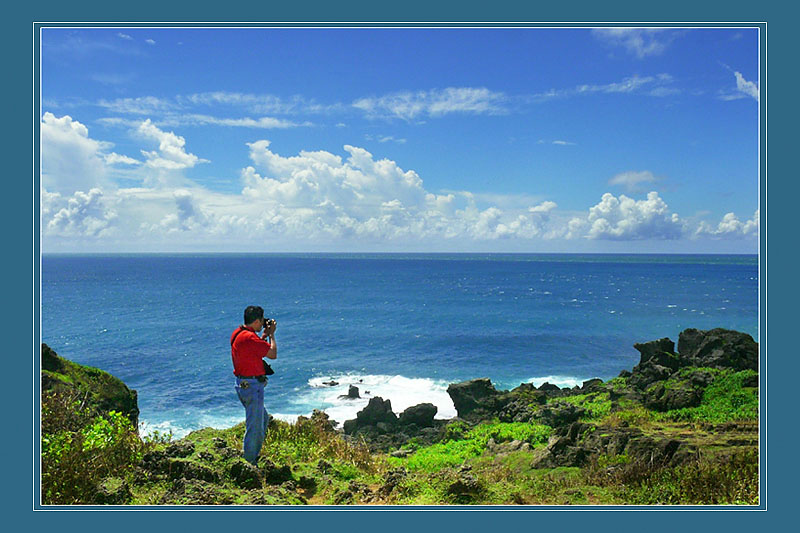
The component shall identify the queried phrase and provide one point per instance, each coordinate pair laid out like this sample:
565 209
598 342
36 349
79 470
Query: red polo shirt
247 351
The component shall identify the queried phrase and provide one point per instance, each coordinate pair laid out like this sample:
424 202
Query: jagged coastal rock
663 380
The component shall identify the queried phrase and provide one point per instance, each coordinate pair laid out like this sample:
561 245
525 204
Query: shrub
79 452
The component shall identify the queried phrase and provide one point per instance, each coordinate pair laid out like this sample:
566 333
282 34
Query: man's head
253 313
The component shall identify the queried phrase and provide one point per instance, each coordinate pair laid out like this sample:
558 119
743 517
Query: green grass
457 451
724 400
597 404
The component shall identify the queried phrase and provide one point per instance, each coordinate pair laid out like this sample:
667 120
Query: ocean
399 326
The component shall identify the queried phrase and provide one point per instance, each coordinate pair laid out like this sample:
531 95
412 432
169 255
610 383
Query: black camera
268 322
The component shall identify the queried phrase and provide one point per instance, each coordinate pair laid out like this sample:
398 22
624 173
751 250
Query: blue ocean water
400 326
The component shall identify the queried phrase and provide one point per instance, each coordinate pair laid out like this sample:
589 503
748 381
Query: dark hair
252 313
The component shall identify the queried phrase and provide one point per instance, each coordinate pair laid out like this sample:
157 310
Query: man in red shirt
247 353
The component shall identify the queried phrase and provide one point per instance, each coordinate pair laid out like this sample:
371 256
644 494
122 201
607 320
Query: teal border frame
428 515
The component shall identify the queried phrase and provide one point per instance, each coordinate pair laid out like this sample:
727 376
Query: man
247 352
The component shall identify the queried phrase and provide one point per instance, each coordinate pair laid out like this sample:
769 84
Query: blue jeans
251 394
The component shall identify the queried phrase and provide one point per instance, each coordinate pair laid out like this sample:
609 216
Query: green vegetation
92 454
726 399
597 405
80 451
459 444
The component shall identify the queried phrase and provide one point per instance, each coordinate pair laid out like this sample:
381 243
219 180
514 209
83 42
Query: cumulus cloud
314 198
730 227
85 214
624 218
633 181
433 103
640 42
171 153
71 160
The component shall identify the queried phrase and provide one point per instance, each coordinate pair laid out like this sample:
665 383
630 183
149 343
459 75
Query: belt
250 377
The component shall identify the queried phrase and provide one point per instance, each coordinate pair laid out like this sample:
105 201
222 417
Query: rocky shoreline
594 424
663 380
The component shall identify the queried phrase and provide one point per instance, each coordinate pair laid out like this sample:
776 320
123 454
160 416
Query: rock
592 385
113 491
549 387
401 453
352 393
182 469
471 396
245 475
466 485
421 415
655 349
560 414
180 449
322 420
392 479
659 397
275 475
377 411
504 448
647 373
719 348
330 383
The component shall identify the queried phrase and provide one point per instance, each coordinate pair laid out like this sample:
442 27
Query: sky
581 140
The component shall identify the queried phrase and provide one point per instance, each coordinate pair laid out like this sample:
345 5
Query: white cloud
659 85
730 227
143 105
245 122
259 103
633 181
150 41
124 36
433 103
114 158
71 160
745 87
84 215
312 199
641 42
171 154
624 218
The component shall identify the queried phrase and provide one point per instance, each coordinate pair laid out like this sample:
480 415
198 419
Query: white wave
560 381
401 391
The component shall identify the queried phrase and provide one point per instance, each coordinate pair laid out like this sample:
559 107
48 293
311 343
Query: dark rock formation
245 475
466 486
559 414
352 393
719 348
474 399
377 411
420 415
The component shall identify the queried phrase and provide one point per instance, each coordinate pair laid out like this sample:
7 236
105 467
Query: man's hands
269 328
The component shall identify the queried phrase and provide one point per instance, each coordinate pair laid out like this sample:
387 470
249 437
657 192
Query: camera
268 322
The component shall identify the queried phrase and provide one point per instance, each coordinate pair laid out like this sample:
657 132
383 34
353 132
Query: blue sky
400 139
